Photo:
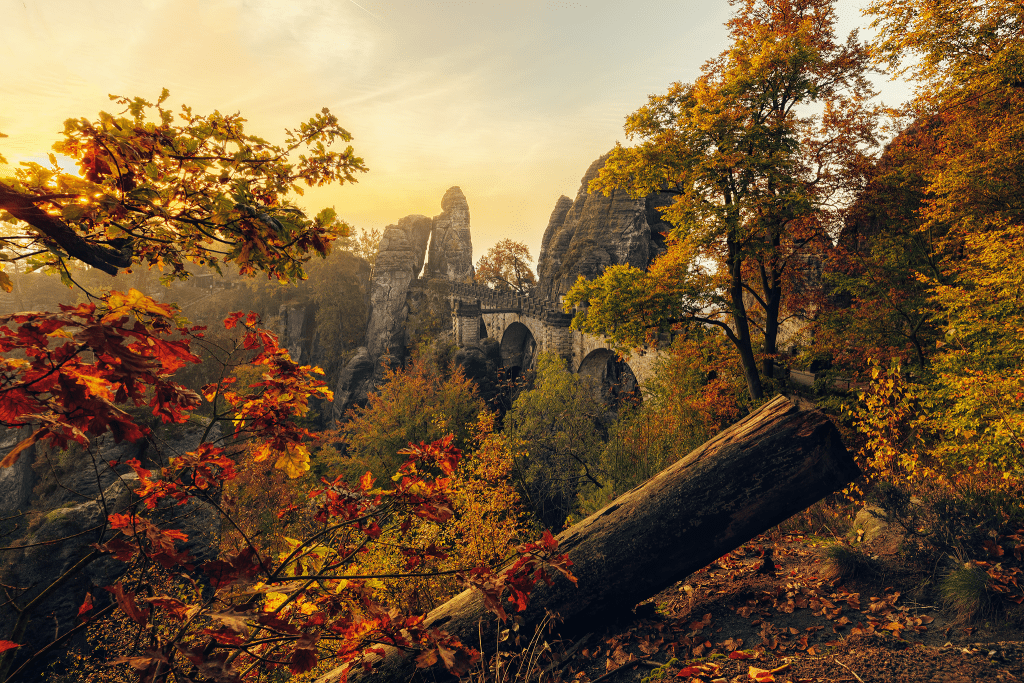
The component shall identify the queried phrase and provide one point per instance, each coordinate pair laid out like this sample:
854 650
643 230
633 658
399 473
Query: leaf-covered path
734 619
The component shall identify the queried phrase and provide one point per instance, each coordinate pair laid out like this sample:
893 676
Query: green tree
557 428
760 151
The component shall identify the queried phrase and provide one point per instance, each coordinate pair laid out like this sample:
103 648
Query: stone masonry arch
612 379
480 312
518 348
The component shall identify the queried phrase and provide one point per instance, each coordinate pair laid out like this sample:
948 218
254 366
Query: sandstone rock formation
399 260
451 248
585 236
354 383
16 481
76 492
481 362
402 305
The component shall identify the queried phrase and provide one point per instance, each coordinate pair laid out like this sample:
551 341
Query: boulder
870 523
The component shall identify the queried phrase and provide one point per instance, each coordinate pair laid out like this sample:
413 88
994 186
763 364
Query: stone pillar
467 322
557 334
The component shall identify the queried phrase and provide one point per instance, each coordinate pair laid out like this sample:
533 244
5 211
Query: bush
420 403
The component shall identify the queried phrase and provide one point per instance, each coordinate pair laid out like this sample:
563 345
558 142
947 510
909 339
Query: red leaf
6 645
126 601
302 661
739 655
86 605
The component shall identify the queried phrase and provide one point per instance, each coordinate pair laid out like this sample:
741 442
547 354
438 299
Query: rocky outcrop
76 491
480 362
399 260
585 236
354 383
16 481
451 248
402 305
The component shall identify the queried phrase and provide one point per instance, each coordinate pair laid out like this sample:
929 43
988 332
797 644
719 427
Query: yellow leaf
5 282
294 462
12 457
273 601
96 385
262 453
134 301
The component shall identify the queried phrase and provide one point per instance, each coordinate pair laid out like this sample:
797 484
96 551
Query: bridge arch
613 380
518 349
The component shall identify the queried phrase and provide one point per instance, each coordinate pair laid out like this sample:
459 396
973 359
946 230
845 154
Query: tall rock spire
451 247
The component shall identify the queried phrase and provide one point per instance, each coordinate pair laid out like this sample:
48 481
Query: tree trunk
750 477
741 325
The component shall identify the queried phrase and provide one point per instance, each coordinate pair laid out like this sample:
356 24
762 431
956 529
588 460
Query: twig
567 655
840 664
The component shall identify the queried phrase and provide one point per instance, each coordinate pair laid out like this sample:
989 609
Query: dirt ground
736 618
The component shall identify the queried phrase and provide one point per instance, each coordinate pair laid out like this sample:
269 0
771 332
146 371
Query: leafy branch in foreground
164 190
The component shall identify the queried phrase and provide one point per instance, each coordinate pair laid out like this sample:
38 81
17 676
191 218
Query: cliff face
399 260
65 497
585 236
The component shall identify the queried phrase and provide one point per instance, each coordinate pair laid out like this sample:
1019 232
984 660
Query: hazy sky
509 100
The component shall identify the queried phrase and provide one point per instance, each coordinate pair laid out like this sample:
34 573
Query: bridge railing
528 305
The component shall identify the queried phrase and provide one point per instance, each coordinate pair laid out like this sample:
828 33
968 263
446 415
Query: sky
511 101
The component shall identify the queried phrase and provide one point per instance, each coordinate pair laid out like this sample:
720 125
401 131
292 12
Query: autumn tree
505 268
875 301
966 60
420 403
761 152
365 245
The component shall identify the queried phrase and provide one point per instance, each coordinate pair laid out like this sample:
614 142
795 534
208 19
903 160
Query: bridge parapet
536 307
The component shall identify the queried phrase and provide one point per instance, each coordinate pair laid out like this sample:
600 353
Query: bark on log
767 467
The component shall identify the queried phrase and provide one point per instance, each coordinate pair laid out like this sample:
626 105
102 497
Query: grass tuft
844 562
965 592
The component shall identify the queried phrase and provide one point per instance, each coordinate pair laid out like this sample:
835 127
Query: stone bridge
525 326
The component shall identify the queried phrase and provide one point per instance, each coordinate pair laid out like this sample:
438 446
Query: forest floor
735 617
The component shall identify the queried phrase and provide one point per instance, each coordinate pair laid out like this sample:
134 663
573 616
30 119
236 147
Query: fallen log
770 465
